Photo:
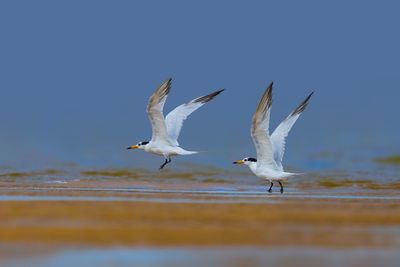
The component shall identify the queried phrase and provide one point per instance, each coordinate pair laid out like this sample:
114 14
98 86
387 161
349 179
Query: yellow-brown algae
311 223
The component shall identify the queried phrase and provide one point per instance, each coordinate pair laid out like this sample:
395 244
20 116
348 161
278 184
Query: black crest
252 159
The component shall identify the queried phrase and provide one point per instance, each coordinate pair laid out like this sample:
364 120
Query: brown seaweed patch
30 174
394 186
365 184
195 174
186 175
112 173
15 174
343 224
331 183
394 160
52 171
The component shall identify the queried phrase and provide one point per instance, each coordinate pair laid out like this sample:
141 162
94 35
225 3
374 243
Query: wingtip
308 97
264 104
268 95
302 105
269 90
161 92
219 91
168 81
209 97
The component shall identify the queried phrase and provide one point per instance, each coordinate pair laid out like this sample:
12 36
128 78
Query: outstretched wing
260 131
174 119
278 137
155 113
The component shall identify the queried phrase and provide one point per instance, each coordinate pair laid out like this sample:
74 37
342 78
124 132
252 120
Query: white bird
164 140
270 148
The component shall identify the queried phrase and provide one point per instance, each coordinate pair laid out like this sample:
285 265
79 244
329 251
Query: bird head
140 145
246 161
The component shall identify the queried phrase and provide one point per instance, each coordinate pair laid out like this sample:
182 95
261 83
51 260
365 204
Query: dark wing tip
302 105
206 98
161 92
166 87
168 83
269 95
266 99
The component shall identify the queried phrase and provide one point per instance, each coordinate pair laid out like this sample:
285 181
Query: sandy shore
201 220
48 218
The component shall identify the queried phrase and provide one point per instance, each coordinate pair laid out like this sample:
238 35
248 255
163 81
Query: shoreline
202 221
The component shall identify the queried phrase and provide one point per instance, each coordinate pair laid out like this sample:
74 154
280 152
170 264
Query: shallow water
225 195
101 217
214 256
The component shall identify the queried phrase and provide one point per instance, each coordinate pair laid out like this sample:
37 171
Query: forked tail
185 152
290 174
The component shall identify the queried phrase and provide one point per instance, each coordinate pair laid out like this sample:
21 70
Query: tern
270 148
165 131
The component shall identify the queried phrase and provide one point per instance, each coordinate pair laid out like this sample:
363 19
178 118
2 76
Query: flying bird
270 148
165 131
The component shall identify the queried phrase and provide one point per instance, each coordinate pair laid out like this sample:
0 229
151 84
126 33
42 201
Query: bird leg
281 186
167 160
270 188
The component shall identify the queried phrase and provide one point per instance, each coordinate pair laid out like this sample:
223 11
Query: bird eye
245 159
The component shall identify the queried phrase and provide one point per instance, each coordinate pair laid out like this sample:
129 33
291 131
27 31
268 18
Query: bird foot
165 163
161 167
281 187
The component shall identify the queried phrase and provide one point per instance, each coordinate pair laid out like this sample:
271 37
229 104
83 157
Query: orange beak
238 162
133 147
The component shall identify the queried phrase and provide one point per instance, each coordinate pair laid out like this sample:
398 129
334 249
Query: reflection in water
120 206
386 178
218 256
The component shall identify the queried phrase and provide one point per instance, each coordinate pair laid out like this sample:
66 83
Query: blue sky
76 76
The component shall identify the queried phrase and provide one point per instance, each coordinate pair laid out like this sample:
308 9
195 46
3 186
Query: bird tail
290 174
297 173
185 152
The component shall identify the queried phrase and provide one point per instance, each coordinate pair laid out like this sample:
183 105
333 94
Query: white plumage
165 131
270 148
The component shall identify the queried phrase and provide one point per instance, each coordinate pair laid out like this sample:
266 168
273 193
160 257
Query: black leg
281 186
270 188
167 160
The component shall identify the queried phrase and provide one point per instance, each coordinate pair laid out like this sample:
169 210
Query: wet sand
44 220
121 212
301 222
